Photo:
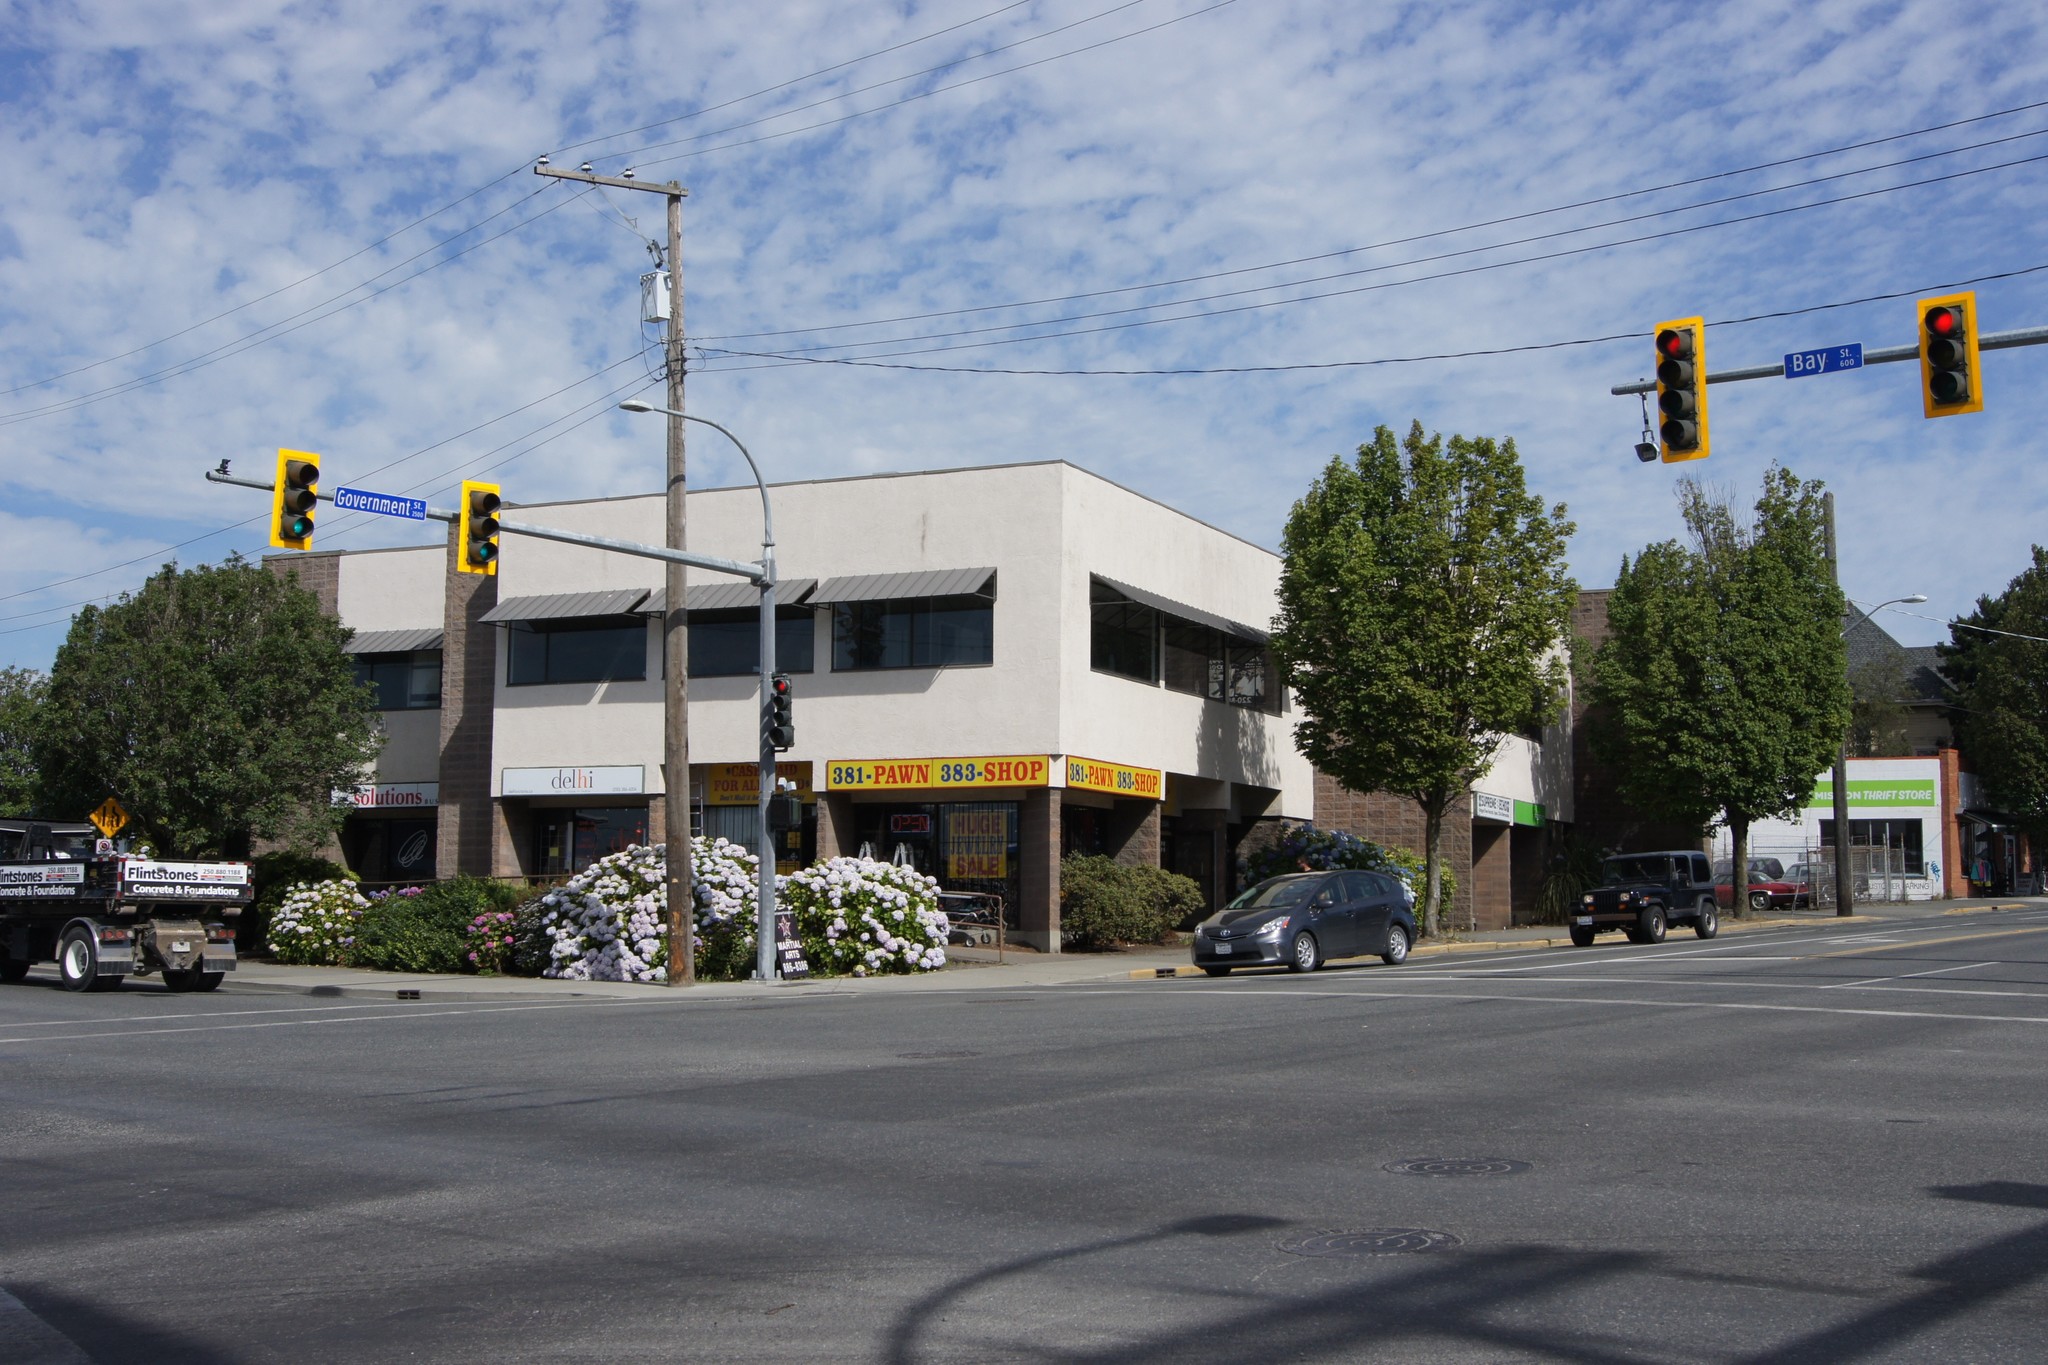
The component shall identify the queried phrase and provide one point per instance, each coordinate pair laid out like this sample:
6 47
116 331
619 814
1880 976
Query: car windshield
1277 893
1621 871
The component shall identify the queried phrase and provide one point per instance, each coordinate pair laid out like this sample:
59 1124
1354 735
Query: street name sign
383 504
1804 364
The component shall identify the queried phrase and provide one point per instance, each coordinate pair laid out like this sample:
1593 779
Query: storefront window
1902 837
404 682
580 650
913 632
571 840
726 644
380 849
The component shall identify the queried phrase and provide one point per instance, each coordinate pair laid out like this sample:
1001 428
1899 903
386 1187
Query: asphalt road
1819 1144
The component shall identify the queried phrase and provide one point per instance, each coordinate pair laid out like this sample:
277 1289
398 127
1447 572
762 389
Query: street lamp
764 930
1844 883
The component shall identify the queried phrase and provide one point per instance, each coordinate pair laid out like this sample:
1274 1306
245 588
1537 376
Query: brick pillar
1490 900
318 572
469 665
1038 850
1134 833
835 825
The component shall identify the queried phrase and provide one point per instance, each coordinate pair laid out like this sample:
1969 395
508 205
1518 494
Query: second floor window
725 644
913 632
404 682
577 650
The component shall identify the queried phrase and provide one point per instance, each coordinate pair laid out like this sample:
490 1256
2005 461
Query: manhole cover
936 1056
1371 1242
1456 1165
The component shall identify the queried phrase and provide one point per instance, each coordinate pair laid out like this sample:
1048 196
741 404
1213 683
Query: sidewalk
973 968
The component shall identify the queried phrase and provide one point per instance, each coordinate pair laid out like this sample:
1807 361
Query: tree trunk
1738 832
1432 871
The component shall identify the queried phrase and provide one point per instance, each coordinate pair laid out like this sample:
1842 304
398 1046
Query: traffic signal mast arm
754 572
1991 341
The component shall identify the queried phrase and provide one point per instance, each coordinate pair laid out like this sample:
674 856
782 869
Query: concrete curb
1511 945
1980 909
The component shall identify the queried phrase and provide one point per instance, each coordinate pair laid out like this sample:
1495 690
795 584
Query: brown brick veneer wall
318 572
1394 820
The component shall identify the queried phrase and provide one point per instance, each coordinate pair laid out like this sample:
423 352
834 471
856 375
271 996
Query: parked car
1769 886
1642 894
1304 919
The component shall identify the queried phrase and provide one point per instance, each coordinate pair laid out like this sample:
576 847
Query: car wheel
1307 954
1217 971
1650 925
193 979
78 962
1707 923
1759 901
1397 945
1582 936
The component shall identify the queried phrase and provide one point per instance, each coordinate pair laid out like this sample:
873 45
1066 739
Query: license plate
1585 919
1223 950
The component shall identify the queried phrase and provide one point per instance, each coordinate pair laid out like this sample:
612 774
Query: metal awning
876 587
394 641
560 606
1236 629
731 596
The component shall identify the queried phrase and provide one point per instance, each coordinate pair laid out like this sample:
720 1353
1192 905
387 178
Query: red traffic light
781 684
1943 322
1674 343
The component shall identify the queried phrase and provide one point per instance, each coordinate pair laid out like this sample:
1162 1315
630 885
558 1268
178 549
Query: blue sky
203 196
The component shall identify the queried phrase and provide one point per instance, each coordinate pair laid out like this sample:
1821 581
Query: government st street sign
1826 360
383 504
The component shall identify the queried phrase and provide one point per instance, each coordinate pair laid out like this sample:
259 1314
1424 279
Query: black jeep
1643 893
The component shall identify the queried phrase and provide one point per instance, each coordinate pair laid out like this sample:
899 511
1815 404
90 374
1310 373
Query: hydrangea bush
491 941
866 918
316 923
607 922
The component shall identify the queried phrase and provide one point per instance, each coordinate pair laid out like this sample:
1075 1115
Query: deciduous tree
2001 682
216 703
1720 694
1423 606
21 700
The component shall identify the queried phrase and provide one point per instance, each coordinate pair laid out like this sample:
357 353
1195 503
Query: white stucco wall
1879 789
397 589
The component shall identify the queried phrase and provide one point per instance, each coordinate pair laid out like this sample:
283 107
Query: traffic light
1682 388
785 812
781 720
476 524
1950 382
294 494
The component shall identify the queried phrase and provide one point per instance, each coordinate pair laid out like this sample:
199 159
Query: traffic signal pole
1992 341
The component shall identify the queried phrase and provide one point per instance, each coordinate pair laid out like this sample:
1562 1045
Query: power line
893 80
250 340
927 94
457 202
1398 241
1420 279
1382 360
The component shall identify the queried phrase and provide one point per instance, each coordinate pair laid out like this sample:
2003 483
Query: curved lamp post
764 929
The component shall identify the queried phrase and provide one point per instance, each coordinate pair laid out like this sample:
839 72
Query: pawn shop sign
109 818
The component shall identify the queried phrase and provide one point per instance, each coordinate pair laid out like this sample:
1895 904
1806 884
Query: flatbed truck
103 913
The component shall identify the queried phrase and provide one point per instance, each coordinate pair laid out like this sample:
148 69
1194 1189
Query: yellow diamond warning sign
109 817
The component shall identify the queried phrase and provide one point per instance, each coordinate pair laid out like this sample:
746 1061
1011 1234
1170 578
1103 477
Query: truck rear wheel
78 962
192 979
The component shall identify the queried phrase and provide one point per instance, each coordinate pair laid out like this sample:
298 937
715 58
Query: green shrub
1103 902
274 875
426 929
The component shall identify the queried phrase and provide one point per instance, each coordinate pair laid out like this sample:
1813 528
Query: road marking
26 1339
1930 942
1932 971
1678 952
1955 991
211 1014
1225 992
354 1019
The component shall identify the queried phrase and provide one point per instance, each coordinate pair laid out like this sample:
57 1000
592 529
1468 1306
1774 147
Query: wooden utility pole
1845 882
675 652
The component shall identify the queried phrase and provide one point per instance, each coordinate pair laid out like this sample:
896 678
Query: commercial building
993 667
